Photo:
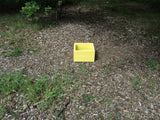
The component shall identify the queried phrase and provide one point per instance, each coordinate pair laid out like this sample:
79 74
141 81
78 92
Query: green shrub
30 9
59 2
48 10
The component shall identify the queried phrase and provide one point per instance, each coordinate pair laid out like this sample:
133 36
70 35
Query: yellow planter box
84 52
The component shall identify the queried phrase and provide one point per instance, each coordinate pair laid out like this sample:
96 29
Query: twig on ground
65 106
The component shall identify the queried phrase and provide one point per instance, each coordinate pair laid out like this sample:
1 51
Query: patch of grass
2 110
38 26
128 118
44 92
145 82
42 24
82 67
108 101
153 83
109 117
135 81
108 70
17 34
153 64
130 62
83 70
11 82
17 51
121 62
87 97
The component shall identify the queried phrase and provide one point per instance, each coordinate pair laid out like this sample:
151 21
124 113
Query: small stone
136 110
31 52
96 74
82 107
152 106
24 107
9 115
140 104
95 114
146 111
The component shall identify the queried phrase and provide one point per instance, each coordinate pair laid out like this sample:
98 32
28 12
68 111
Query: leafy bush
59 2
48 10
45 6
30 9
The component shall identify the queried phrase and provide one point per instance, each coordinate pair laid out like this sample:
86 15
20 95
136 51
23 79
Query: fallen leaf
60 77
156 96
3 101
121 82
125 110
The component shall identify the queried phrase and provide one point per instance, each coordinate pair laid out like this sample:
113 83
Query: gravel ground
114 96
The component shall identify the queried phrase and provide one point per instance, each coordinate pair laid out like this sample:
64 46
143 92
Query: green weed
103 73
152 64
134 81
109 117
128 119
130 62
82 67
83 70
121 62
150 84
87 97
2 111
108 101
17 51
11 82
79 11
38 26
91 70
108 71
153 84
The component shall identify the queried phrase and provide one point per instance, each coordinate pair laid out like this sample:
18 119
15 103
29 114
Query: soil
118 43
